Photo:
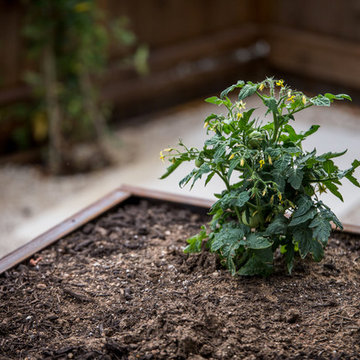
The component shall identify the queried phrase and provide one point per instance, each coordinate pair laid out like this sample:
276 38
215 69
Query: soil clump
122 288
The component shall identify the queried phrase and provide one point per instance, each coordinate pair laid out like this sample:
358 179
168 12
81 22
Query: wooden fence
197 44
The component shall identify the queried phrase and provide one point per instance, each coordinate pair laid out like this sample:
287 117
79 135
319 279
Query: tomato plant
274 202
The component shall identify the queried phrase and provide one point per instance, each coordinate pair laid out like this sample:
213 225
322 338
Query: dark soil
121 288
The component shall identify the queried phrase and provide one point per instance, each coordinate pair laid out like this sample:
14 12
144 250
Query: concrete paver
340 129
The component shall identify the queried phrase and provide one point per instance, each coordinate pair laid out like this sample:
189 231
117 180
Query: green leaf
273 152
352 179
247 91
233 163
304 203
213 116
219 153
215 140
292 150
204 169
293 136
296 220
172 168
321 228
296 138
234 198
304 159
333 189
332 97
231 265
317 251
217 215
260 263
279 178
289 257
320 100
282 163
256 241
243 123
228 238
307 244
240 83
330 167
227 241
195 242
329 215
187 178
209 177
313 129
330 155
278 226
354 165
271 103
295 175
214 100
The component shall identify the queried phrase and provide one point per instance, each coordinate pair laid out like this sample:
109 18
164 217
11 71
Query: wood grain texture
98 208
314 55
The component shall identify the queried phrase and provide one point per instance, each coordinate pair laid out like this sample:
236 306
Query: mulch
122 288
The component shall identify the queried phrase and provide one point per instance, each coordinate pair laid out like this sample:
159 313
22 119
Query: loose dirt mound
121 288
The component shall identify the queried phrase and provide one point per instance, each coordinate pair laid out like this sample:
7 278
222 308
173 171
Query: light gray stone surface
31 203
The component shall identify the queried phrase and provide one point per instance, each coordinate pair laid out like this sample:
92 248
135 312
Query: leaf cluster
76 35
270 199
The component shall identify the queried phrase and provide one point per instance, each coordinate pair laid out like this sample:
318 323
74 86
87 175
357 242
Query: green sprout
273 203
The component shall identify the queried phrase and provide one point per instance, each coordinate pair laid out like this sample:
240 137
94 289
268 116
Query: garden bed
120 287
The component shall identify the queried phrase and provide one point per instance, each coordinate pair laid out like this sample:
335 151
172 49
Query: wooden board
89 213
314 55
98 208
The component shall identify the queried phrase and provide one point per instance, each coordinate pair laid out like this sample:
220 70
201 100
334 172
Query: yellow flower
231 156
303 99
280 83
206 124
262 163
82 7
264 192
291 98
242 162
279 196
239 116
261 87
240 104
162 157
270 160
168 149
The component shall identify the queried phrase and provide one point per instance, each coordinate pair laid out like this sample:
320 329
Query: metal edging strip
99 207
63 228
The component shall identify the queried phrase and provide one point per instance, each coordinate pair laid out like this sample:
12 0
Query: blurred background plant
196 48
67 42
86 50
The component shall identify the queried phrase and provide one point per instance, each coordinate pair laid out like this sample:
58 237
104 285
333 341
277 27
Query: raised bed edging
98 208
89 213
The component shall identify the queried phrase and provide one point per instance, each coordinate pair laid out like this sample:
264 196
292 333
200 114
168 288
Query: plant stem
305 107
276 128
322 180
228 187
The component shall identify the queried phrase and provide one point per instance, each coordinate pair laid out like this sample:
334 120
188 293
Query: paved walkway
340 129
